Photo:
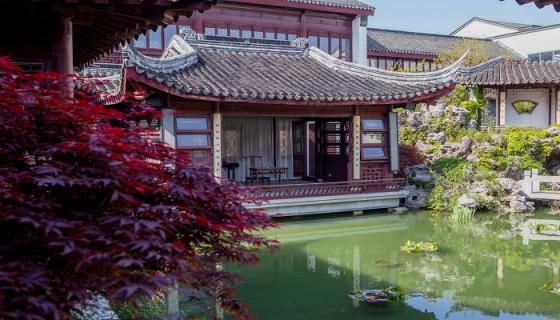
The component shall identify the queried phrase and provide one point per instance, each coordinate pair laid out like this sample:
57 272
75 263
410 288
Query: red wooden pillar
197 22
303 25
62 51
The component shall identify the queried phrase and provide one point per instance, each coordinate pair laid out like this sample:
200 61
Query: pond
483 269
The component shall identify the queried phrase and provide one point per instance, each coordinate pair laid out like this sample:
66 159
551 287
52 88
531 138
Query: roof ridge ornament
178 55
189 34
556 58
299 42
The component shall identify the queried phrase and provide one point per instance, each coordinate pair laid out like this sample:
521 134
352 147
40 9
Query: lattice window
373 171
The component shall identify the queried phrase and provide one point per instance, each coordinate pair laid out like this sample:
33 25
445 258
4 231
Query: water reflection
484 270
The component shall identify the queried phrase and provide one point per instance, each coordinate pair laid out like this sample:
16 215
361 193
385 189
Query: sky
444 16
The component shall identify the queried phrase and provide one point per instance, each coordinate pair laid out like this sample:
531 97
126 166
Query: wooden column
197 22
62 51
303 25
356 147
217 140
502 97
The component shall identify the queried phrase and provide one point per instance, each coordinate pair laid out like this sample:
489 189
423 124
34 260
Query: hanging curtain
253 136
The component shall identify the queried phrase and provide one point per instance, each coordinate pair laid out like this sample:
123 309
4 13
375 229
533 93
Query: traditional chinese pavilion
315 132
521 93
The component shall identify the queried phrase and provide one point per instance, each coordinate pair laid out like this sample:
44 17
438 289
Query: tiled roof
104 81
542 3
501 72
509 24
237 70
404 42
350 4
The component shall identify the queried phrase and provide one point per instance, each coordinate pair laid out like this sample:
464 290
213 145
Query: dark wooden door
333 149
298 138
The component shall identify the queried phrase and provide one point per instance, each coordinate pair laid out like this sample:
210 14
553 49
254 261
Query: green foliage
525 145
410 136
524 106
462 214
419 247
153 309
454 176
457 96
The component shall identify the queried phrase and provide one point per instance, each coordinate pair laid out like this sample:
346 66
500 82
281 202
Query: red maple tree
89 205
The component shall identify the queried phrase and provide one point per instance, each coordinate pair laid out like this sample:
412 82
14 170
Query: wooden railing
328 188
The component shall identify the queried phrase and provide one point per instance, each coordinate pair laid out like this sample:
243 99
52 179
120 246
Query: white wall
359 40
539 117
480 29
546 39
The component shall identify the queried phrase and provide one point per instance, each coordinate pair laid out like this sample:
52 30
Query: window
345 50
155 39
169 32
547 56
373 124
234 33
192 124
194 134
269 35
374 136
335 47
259 35
390 64
209 31
324 44
281 36
374 152
246 34
222 32
292 36
193 140
141 41
313 41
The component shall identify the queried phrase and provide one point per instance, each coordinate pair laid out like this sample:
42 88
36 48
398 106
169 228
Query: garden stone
465 147
509 184
472 158
467 202
436 137
416 197
553 131
97 308
424 148
419 173
473 124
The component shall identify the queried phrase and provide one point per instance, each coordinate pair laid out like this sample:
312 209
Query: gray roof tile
350 4
247 71
501 72
394 41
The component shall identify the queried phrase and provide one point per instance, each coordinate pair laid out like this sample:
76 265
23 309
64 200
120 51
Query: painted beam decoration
524 106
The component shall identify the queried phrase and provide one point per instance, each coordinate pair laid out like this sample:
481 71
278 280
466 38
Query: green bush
454 176
152 309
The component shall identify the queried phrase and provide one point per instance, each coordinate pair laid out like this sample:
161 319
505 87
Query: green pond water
483 270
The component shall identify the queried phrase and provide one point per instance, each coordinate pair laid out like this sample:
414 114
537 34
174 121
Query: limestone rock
436 137
467 201
465 147
553 131
416 197
97 308
509 185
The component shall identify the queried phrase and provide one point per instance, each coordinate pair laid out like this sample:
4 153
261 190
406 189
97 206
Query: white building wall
539 117
359 40
480 29
525 43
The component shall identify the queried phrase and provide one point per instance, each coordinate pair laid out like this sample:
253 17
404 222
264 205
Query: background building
415 51
337 27
536 43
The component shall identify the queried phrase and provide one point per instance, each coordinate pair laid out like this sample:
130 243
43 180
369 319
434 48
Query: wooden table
257 174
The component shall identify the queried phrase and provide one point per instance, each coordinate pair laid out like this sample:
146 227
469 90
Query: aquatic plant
462 214
419 247
540 228
378 296
552 288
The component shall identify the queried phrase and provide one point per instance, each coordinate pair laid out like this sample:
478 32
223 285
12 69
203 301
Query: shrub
88 207
410 156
